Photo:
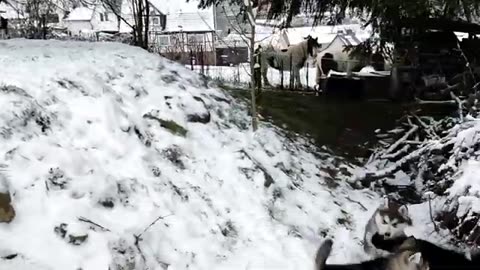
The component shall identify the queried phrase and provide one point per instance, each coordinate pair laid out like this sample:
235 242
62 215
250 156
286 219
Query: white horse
292 59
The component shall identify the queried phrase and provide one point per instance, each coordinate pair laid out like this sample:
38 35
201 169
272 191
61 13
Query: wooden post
191 58
306 84
281 76
292 77
202 67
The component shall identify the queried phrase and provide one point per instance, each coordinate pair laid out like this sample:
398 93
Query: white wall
336 48
106 25
76 26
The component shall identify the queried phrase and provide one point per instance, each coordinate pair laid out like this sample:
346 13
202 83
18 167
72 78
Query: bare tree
247 13
39 12
251 15
136 15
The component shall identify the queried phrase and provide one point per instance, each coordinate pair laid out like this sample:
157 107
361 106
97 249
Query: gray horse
292 59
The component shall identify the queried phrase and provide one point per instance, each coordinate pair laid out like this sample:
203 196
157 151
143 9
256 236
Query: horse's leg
298 83
264 69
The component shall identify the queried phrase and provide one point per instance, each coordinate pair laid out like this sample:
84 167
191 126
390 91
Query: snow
80 14
99 160
466 188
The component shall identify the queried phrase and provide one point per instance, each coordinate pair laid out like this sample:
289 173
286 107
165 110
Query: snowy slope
86 138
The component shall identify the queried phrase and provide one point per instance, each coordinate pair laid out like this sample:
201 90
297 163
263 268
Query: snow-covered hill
100 140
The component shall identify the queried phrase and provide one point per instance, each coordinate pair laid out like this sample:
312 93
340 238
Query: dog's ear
415 258
384 203
403 210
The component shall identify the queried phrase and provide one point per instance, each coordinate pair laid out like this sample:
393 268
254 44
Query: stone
7 212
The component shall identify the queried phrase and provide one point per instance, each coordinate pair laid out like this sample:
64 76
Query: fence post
307 77
191 59
202 67
292 77
281 76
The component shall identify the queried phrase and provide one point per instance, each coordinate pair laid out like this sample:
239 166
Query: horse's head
312 46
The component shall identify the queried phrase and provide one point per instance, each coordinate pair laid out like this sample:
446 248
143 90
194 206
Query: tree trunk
252 74
147 24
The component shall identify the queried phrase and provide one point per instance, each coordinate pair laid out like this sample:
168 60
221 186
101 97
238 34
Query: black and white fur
404 259
291 59
438 258
388 221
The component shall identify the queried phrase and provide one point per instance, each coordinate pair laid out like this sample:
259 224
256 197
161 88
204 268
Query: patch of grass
343 125
168 124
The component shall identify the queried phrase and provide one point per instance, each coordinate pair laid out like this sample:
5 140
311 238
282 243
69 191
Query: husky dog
389 222
443 259
406 258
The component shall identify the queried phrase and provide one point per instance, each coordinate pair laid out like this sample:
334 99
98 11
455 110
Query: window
163 21
195 39
155 21
103 17
163 40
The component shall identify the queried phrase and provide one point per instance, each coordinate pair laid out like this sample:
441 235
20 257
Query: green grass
169 124
345 126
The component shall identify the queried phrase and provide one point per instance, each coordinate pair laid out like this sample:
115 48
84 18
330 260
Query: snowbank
102 139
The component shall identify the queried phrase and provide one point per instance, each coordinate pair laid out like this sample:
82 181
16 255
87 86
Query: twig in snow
153 223
137 245
403 138
460 105
268 178
430 211
138 237
359 203
82 219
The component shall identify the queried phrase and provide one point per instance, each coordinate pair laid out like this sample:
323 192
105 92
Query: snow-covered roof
80 14
185 16
325 34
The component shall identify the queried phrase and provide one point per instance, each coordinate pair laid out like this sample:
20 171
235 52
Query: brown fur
7 213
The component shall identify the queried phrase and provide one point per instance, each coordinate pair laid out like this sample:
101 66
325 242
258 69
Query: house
183 31
93 19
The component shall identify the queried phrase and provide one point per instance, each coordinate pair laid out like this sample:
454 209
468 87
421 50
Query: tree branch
460 105
435 102
402 139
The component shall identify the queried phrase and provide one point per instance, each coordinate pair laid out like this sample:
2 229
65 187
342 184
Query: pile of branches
431 153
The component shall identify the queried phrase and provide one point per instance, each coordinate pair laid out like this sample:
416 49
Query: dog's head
408 257
392 219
